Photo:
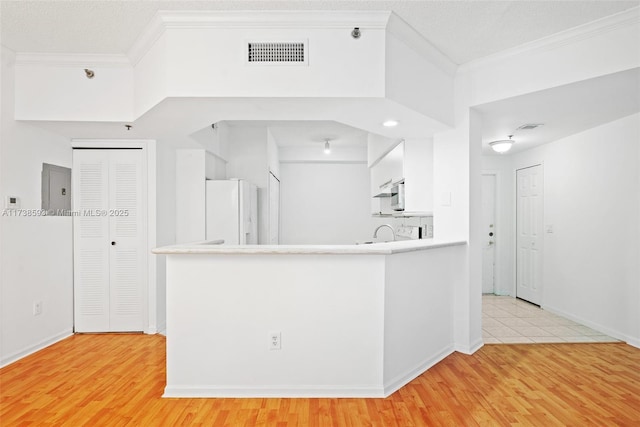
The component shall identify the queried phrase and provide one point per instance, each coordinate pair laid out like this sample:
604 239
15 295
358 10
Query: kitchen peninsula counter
380 248
351 320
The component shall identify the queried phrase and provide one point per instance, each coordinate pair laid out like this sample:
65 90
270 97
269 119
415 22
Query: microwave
397 197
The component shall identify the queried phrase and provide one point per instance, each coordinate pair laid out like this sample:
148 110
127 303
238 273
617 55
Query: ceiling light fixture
502 145
327 147
390 123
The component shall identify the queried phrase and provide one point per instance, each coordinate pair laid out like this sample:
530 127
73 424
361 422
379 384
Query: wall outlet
275 342
37 308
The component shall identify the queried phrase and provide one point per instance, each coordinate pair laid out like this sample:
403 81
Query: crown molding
72 60
294 20
398 27
586 31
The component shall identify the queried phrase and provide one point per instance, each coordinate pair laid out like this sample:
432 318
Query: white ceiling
462 30
309 133
563 110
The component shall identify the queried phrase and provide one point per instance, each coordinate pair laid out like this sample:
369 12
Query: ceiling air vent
529 126
279 53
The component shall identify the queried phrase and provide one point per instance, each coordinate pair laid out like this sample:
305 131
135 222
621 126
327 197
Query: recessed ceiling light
390 123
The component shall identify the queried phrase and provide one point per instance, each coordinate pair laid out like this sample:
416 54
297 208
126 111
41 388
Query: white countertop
386 248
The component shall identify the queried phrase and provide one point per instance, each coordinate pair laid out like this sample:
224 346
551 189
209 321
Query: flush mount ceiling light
503 145
327 147
390 123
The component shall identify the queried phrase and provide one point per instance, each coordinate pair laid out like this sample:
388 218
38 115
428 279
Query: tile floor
507 320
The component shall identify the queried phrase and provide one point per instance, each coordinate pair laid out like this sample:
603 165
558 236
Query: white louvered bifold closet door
109 242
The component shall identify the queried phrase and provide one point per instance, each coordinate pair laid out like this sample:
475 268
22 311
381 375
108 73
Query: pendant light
502 145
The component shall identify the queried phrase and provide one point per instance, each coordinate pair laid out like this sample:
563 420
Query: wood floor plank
118 380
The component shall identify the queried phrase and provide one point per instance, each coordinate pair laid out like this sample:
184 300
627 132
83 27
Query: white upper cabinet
410 161
418 176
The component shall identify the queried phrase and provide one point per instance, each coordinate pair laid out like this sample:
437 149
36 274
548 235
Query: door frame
499 230
148 146
515 229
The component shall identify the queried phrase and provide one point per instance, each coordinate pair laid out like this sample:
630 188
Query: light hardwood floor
118 380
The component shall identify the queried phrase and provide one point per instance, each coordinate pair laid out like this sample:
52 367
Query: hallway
507 320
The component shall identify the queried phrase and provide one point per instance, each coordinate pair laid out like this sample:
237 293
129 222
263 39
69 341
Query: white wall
31 270
273 153
325 203
326 199
190 195
414 305
378 146
293 294
150 78
166 221
60 90
360 325
338 64
592 200
433 95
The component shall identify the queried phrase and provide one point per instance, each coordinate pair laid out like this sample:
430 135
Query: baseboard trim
404 379
634 342
34 348
162 329
266 392
470 349
595 326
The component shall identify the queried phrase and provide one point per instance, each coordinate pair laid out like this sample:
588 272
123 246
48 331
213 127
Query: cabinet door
126 230
418 175
90 184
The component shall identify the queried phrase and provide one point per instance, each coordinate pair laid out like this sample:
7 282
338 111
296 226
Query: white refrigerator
232 211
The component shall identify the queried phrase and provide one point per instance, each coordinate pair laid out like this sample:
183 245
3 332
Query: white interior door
109 240
529 224
489 229
274 210
90 184
126 227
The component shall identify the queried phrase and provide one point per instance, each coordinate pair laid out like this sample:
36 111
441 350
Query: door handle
113 243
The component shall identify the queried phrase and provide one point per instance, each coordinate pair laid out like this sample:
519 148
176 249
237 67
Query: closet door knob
113 243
